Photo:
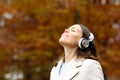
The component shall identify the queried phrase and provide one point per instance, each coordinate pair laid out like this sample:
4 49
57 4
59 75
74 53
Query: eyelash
73 30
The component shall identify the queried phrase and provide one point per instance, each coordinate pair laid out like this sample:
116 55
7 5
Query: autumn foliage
30 29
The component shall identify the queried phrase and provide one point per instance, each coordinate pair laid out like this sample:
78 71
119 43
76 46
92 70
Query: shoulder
91 61
90 64
85 62
90 70
93 69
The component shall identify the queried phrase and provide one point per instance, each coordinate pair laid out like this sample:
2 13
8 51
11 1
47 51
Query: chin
63 42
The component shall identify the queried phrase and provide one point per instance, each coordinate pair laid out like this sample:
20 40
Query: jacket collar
71 70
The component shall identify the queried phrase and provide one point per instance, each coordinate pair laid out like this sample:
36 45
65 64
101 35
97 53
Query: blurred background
30 30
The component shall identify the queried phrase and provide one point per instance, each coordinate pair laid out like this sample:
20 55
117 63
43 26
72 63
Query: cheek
74 41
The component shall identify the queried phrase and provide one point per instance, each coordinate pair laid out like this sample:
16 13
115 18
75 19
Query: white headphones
84 43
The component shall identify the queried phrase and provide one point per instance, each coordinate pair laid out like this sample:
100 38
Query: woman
80 59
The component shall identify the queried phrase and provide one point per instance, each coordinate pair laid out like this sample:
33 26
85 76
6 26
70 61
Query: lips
65 34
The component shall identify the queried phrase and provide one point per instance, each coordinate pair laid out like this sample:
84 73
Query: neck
70 52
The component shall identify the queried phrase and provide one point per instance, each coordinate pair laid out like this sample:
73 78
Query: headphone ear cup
83 43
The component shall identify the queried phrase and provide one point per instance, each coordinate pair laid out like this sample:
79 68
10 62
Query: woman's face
71 36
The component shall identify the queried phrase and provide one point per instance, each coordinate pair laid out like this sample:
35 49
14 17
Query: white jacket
78 69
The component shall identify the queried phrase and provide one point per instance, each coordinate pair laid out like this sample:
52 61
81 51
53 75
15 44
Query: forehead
76 27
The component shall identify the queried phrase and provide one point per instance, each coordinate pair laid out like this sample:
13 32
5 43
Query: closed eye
73 30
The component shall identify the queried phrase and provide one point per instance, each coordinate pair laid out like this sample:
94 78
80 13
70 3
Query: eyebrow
74 28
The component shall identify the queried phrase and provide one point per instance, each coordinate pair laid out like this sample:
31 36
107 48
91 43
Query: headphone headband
91 37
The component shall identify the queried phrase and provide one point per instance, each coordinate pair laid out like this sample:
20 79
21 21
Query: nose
66 30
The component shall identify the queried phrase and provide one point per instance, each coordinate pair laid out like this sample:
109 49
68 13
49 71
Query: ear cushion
83 43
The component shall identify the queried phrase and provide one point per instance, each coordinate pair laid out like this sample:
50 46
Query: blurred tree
30 29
